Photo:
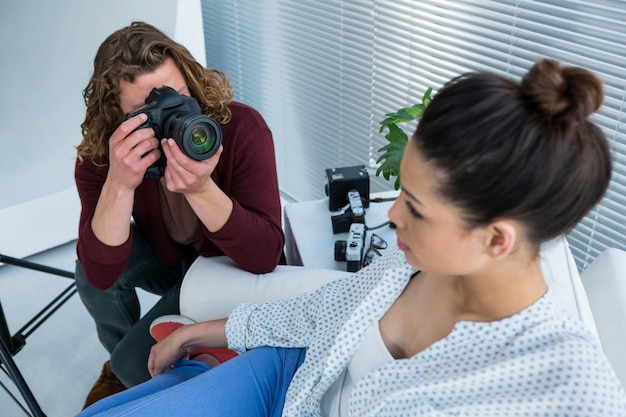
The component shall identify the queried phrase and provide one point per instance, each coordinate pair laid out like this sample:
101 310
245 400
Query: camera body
351 249
356 204
339 181
355 214
172 115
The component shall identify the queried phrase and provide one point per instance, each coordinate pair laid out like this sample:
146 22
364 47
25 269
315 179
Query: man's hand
184 174
131 152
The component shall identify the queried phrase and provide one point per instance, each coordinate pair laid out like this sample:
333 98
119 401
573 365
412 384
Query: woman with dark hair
228 204
459 321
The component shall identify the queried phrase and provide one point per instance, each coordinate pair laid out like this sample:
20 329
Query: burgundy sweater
246 172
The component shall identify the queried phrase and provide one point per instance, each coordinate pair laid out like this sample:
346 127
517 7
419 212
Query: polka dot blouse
539 362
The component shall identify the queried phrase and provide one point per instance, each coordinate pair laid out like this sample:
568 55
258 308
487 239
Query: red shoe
162 326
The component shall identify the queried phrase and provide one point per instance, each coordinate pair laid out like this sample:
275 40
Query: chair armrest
605 283
562 277
213 287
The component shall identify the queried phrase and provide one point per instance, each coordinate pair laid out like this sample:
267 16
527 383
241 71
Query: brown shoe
107 384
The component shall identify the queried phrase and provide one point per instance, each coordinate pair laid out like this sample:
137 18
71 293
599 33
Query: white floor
63 357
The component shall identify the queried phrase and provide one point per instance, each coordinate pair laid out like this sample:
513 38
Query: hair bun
568 93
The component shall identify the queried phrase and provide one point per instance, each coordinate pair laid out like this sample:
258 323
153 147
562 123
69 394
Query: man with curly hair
144 232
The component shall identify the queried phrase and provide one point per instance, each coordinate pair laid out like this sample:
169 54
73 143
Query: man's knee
130 365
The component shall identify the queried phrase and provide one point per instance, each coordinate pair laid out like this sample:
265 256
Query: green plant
391 154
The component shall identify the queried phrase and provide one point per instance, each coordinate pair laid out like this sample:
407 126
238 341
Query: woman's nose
393 213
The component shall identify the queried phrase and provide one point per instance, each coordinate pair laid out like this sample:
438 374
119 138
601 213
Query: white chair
605 284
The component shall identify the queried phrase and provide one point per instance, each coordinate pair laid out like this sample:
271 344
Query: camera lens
201 140
199 136
340 250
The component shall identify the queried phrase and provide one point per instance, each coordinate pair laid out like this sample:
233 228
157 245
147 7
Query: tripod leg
19 381
14 373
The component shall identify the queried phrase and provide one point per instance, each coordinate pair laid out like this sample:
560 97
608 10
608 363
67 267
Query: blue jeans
123 332
252 384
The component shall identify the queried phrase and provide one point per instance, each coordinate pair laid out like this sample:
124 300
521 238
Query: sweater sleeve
252 236
102 264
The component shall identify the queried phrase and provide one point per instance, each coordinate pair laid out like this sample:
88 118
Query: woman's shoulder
535 359
545 322
548 334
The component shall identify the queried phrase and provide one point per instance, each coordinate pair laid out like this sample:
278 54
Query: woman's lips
402 246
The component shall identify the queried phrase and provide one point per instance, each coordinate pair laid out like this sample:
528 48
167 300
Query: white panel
189 31
43 73
39 224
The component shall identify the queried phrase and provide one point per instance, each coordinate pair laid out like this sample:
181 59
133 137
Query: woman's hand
168 351
183 341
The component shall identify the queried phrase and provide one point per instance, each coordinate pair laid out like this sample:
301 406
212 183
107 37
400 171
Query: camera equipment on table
351 249
341 180
355 213
172 115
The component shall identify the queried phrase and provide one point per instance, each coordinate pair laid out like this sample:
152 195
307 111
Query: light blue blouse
537 362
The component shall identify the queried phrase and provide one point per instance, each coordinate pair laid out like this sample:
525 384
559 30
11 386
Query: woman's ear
501 239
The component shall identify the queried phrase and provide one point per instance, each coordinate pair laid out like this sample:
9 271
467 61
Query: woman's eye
412 211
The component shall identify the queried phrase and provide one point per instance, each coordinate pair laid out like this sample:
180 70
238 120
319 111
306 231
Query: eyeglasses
376 243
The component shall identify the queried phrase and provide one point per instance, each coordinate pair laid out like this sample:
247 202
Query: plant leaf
391 154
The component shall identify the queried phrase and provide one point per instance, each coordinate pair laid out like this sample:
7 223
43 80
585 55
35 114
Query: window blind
325 72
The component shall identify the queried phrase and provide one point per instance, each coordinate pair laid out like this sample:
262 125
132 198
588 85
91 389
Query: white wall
46 52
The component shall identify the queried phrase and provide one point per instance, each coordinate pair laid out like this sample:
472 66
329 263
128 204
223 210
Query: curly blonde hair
134 50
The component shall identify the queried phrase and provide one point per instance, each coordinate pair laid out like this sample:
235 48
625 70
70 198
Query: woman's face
133 95
430 230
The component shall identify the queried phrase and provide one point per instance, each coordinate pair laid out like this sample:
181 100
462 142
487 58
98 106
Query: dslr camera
351 249
172 115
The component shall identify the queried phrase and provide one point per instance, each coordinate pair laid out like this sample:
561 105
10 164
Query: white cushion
213 287
605 283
